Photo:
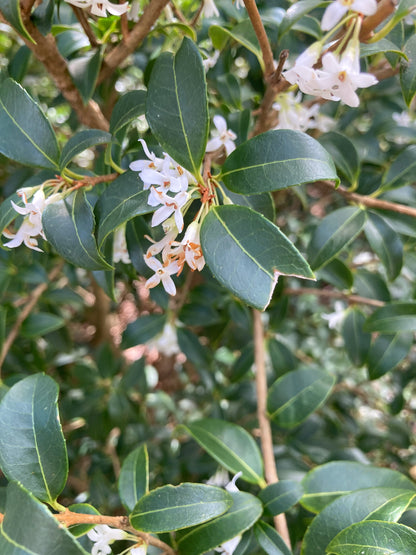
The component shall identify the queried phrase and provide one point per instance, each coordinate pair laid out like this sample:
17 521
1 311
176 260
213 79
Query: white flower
403 119
171 205
219 479
139 550
222 136
335 319
302 73
239 4
153 162
210 62
167 178
210 9
192 247
229 546
133 13
166 342
100 7
120 252
162 274
103 536
336 10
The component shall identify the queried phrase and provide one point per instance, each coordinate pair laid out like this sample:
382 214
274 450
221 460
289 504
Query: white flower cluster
103 536
166 342
340 74
295 115
162 176
31 226
101 7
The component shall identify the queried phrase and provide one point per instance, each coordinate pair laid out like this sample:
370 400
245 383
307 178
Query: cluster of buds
103 536
293 114
339 75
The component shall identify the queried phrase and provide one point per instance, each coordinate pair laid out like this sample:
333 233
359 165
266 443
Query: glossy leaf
294 396
175 507
329 481
243 33
392 318
402 170
84 72
69 225
270 541
40 323
387 352
381 46
357 342
123 199
129 107
243 248
11 11
276 160
245 511
30 529
337 274
334 233
386 243
374 538
80 142
32 446
262 203
408 71
344 154
281 357
281 496
133 482
26 135
367 504
231 446
18 65
141 330
296 12
137 244
176 106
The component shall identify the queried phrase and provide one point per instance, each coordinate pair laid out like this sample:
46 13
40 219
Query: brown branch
88 181
384 9
352 299
27 309
260 31
26 6
198 14
80 15
127 46
1 517
266 438
124 25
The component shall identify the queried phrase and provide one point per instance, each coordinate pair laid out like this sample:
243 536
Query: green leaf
123 199
7 212
276 160
11 11
392 318
357 342
30 529
18 65
231 446
281 496
374 538
69 225
177 105
32 446
245 511
40 323
344 154
175 507
367 504
270 540
402 170
387 352
86 509
128 107
26 135
334 233
295 12
242 248
84 72
380 47
337 274
294 396
281 357
142 330
80 142
137 244
133 481
386 243
329 481
262 203
243 33
408 71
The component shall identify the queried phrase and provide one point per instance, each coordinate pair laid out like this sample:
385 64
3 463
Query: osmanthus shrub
184 166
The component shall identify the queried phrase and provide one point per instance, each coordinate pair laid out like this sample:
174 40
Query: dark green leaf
408 71
367 504
295 12
402 170
281 496
262 203
40 323
344 154
70 41
294 396
392 318
281 357
380 47
18 64
86 509
143 329
231 446
32 446
386 243
173 508
245 511
133 482
243 33
270 540
333 234
26 135
243 248
374 538
80 142
357 342
129 107
177 105
387 352
84 72
327 482
69 225
276 160
337 274
197 354
137 244
30 529
11 11
123 199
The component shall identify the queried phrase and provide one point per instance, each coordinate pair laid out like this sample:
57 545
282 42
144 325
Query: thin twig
325 293
198 14
266 438
384 9
27 309
80 15
261 34
124 25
